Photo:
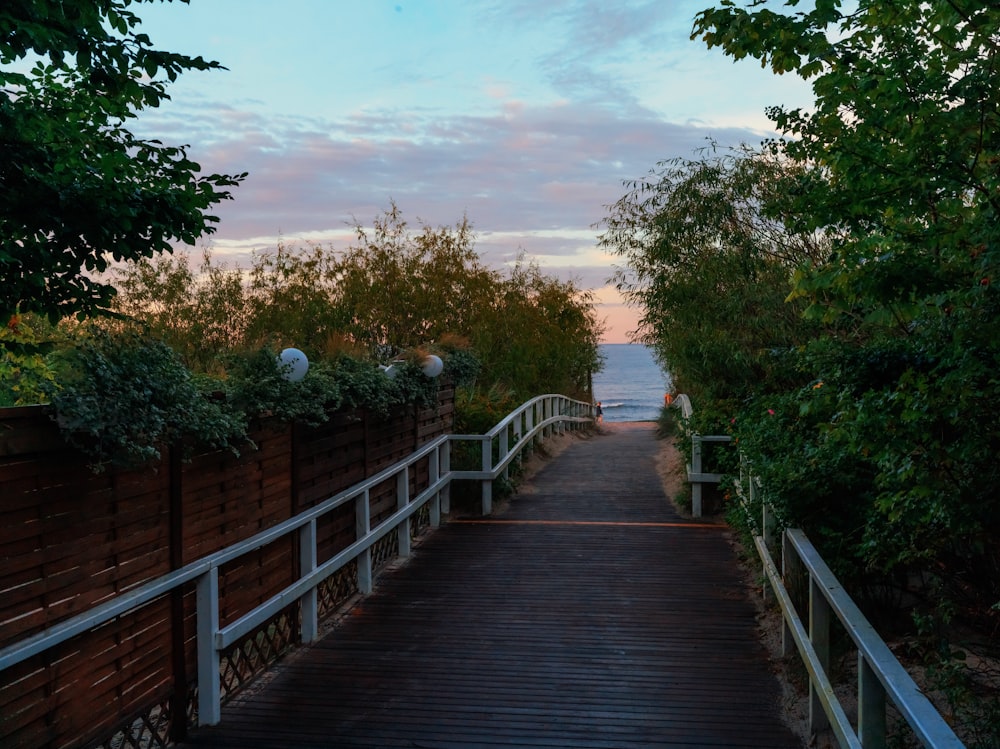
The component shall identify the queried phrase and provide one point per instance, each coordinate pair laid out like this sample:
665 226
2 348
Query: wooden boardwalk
585 614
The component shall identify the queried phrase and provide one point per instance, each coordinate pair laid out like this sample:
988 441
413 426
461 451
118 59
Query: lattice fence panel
385 550
421 520
150 730
246 660
333 592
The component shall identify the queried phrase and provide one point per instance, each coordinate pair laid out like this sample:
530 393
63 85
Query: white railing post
504 447
487 482
871 706
307 563
819 636
529 417
433 474
362 527
209 683
767 520
696 469
518 431
789 567
403 499
445 470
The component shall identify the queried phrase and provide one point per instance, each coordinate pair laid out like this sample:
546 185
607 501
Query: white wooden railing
696 476
533 421
881 677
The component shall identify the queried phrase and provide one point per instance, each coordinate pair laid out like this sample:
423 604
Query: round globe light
432 365
293 364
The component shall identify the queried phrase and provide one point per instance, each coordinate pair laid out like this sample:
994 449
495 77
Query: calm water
631 385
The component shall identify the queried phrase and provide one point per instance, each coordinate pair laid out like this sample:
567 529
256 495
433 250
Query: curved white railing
534 420
520 429
880 675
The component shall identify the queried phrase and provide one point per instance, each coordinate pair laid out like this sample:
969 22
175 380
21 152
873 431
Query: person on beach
599 412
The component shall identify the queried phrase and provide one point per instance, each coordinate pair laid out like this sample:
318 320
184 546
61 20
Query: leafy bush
120 398
25 375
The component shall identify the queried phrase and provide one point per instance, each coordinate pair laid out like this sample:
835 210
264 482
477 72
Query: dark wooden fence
70 539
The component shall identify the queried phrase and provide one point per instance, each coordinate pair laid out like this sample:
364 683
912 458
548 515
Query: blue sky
525 115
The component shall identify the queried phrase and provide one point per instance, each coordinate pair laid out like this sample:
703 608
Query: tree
903 146
394 290
397 288
906 137
77 188
709 259
542 335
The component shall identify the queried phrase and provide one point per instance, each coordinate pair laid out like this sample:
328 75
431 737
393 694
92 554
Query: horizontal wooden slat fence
70 539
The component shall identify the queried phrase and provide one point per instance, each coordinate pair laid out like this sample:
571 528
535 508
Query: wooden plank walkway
586 614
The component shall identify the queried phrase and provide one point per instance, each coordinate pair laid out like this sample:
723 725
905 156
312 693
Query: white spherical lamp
293 364
432 365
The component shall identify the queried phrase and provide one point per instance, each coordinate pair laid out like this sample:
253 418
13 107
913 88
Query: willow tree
708 259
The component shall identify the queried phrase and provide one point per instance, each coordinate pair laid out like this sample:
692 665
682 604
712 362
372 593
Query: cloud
526 168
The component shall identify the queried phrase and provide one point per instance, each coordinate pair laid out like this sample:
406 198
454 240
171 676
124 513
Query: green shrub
120 398
25 375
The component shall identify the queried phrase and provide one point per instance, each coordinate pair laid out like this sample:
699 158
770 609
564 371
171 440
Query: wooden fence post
871 706
309 608
446 469
433 469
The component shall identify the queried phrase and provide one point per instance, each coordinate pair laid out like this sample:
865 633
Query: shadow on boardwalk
587 613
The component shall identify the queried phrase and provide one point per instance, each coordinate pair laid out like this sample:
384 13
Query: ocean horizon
631 386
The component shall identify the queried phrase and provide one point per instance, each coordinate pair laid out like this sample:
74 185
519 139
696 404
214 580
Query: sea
631 386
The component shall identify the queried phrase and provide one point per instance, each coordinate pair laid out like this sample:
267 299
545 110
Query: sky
525 116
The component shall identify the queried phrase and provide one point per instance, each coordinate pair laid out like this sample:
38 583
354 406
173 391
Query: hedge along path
586 613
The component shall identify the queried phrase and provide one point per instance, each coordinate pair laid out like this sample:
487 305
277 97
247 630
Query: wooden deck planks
631 629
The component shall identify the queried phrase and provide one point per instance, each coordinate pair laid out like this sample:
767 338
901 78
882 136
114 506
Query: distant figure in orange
599 413
667 400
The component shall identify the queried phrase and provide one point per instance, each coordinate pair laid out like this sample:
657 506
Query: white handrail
880 675
695 475
532 420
